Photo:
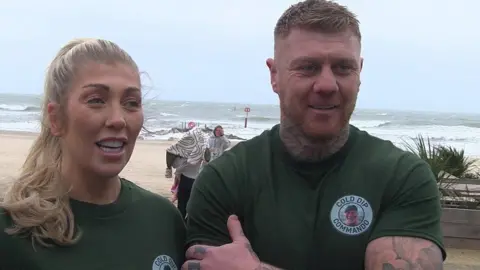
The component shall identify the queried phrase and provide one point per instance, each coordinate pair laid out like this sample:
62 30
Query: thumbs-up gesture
235 256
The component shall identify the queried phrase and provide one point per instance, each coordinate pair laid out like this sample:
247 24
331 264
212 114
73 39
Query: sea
164 118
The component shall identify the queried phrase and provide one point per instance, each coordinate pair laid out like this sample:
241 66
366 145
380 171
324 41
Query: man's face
316 76
351 218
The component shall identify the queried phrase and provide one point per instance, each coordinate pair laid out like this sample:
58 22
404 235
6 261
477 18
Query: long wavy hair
37 201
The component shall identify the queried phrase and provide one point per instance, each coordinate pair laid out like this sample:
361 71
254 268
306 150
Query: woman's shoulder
5 221
155 205
144 197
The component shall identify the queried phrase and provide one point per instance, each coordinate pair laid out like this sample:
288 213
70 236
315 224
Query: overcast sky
419 54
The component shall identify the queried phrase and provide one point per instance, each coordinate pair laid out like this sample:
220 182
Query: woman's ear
53 110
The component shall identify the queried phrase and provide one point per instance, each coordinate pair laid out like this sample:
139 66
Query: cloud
439 25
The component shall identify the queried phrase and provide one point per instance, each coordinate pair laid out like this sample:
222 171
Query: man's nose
326 82
116 118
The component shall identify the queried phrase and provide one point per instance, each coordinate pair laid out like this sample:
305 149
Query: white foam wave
7 107
368 123
168 114
28 126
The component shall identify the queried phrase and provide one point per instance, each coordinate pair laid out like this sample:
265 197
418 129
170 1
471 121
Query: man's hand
235 256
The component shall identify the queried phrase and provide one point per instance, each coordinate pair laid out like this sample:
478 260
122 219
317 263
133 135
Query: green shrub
456 163
424 149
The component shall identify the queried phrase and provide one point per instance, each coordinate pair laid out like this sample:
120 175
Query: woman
69 209
217 143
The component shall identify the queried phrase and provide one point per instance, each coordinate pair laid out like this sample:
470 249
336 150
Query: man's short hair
351 208
317 15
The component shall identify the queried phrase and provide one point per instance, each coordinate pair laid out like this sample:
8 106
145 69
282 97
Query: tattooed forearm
406 253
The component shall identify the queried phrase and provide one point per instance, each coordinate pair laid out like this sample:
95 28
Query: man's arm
406 253
407 234
236 255
212 201
215 196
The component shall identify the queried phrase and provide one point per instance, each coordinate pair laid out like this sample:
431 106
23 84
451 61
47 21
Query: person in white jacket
217 143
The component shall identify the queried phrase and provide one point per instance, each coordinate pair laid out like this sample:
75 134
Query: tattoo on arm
405 253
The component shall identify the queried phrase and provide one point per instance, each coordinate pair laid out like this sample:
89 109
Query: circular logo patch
164 262
351 215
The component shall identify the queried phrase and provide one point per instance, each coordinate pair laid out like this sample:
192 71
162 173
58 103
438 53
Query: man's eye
309 68
343 69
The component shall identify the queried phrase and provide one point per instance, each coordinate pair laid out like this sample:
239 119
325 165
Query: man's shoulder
383 152
388 167
234 166
258 142
246 151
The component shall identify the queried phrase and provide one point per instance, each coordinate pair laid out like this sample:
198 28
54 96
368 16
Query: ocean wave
19 108
256 118
432 122
368 123
167 114
449 139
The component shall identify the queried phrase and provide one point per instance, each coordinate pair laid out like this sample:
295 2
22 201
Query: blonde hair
318 15
36 201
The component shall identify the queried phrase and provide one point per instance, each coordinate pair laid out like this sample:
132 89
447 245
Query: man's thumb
235 229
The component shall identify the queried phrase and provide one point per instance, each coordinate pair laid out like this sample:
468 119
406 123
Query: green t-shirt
141 230
311 216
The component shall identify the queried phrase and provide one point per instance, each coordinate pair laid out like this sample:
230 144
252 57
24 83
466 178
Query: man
295 188
351 216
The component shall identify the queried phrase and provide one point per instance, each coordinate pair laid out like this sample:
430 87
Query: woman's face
104 116
219 132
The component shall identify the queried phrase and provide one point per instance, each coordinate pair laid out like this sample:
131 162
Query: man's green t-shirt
311 216
141 230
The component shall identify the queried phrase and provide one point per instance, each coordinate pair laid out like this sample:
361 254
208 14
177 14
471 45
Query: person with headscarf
186 156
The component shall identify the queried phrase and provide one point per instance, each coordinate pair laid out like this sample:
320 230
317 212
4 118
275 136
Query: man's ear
53 110
273 74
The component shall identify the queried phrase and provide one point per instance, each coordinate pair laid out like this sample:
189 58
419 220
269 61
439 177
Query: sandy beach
146 168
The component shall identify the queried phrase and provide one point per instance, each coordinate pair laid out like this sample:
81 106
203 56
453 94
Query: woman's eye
132 103
95 101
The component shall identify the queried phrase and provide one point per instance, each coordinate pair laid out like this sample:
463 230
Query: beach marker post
246 110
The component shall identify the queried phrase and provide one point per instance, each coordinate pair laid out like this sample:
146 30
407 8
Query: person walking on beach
217 143
69 208
191 146
315 192
187 156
